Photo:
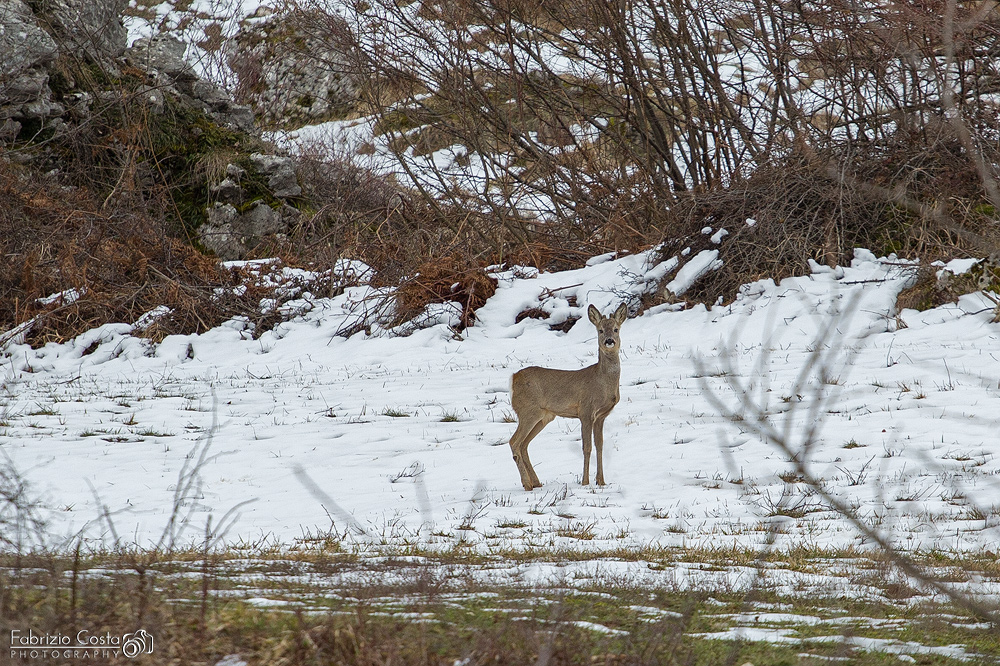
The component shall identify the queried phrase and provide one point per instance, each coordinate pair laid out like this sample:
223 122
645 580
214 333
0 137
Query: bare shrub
289 75
603 127
908 198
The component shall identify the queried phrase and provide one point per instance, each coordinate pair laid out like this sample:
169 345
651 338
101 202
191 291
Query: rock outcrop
25 51
237 223
46 44
31 39
162 56
230 234
280 172
288 74
34 37
93 27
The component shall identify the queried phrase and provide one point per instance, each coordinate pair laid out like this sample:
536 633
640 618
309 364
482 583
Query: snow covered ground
401 439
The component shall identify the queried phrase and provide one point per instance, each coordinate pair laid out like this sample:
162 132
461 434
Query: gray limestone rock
9 129
25 50
217 100
163 57
92 26
230 234
219 235
23 43
27 85
260 221
280 171
228 191
41 108
221 215
154 99
241 117
289 73
211 94
162 53
32 36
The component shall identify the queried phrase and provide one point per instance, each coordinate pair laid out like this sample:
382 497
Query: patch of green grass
395 413
270 604
152 432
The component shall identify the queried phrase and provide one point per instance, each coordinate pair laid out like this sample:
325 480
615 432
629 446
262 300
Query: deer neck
609 364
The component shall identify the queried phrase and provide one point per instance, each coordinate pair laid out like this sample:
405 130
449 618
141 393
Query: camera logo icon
134 644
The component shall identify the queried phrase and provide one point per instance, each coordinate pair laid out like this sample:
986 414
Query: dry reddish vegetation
445 279
119 261
125 257
114 262
916 198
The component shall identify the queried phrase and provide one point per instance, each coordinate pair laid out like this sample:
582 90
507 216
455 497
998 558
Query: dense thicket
588 126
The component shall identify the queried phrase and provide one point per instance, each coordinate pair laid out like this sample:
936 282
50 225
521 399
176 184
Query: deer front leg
586 428
599 444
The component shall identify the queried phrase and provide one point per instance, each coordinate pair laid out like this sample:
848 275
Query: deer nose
610 342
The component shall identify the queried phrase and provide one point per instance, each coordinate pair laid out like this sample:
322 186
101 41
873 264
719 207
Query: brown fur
538 395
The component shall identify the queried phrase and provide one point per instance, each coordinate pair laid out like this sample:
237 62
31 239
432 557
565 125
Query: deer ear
595 315
621 314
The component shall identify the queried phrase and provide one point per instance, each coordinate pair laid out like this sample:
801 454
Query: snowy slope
406 438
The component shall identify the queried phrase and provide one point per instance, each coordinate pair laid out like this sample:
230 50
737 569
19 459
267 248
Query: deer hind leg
586 429
599 445
516 441
527 429
537 428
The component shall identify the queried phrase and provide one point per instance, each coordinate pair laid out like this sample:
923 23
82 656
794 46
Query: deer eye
616 330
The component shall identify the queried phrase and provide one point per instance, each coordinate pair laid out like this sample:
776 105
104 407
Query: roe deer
538 395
